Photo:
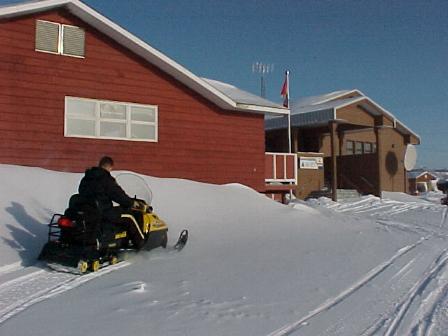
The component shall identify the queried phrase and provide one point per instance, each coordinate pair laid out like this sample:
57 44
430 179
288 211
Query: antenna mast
262 69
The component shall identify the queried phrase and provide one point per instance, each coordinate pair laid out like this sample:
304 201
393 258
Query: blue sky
396 52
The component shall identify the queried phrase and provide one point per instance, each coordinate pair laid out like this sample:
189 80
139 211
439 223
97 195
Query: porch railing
280 168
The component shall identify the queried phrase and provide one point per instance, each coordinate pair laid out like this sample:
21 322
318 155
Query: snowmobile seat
91 224
82 208
77 201
86 217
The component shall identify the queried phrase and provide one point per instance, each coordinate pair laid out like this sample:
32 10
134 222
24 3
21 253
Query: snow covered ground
251 267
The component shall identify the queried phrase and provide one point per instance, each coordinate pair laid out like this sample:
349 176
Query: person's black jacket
100 186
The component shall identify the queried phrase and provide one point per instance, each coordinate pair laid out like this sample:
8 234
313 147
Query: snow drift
251 267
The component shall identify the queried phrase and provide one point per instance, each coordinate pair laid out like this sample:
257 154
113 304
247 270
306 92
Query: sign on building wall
311 162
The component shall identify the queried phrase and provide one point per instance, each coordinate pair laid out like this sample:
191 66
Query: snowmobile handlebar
141 205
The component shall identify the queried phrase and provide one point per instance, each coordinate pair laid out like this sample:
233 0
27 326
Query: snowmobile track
402 308
444 217
37 285
289 328
40 282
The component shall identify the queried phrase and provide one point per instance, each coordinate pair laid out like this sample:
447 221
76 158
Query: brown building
420 181
76 86
361 144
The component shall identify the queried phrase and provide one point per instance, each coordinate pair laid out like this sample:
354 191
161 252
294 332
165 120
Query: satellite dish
410 157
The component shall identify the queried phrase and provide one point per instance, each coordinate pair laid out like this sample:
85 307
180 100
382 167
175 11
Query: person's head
106 163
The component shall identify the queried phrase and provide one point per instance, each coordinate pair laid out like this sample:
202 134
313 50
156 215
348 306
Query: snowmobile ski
182 240
178 246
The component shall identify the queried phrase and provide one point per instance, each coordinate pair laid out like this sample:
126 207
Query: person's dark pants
133 228
127 221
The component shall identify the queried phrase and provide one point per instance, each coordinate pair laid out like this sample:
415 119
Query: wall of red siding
197 140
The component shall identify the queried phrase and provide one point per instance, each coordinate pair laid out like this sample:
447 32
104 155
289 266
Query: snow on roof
140 48
318 110
338 103
418 173
240 96
315 114
315 100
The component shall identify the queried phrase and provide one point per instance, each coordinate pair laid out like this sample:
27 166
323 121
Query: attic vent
73 41
47 36
60 39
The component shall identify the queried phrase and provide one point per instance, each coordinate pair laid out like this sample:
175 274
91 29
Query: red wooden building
76 86
421 181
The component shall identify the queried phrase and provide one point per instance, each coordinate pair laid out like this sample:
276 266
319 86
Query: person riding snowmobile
99 186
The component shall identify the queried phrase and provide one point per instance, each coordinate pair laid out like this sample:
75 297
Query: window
56 38
358 147
91 118
72 41
47 36
367 147
350 148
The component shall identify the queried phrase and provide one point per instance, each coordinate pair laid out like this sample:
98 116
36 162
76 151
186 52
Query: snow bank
251 265
401 197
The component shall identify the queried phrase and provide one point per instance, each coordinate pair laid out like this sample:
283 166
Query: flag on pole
285 90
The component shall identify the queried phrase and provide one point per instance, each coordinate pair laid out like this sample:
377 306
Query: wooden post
295 140
334 170
295 149
341 142
341 161
380 158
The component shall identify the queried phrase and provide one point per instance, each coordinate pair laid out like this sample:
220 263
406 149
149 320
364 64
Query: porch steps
347 194
319 193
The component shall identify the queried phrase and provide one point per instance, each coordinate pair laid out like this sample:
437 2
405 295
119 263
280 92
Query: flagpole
289 125
289 114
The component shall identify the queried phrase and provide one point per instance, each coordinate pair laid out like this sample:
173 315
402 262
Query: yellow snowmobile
81 239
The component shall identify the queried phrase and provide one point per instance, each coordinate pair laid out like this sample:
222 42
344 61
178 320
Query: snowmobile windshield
135 186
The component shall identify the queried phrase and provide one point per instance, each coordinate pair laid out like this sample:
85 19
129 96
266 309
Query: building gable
140 48
354 114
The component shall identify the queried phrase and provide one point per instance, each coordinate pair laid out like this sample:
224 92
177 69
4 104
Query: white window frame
348 150
61 40
128 120
364 148
360 143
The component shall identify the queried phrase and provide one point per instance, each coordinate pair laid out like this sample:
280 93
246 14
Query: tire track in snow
392 320
330 303
378 207
427 300
6 269
21 293
444 217
439 319
426 317
365 304
421 230
429 305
